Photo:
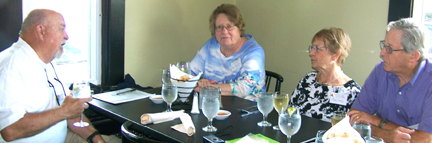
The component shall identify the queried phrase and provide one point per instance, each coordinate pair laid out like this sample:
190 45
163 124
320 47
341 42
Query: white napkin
157 118
341 128
187 125
176 73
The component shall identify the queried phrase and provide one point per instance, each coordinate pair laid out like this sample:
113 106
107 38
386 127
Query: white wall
161 32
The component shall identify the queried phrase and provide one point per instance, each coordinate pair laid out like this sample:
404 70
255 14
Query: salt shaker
195 109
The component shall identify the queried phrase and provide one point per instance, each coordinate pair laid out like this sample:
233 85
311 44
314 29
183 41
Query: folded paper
157 118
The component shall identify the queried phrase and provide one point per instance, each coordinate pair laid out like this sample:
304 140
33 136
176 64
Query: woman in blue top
231 59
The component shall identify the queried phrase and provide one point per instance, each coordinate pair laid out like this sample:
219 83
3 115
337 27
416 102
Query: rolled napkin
342 132
157 118
186 126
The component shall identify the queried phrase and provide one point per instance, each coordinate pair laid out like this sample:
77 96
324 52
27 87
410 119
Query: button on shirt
407 105
24 89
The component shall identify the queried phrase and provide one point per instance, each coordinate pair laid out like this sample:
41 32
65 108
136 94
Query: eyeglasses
228 27
316 48
59 97
388 49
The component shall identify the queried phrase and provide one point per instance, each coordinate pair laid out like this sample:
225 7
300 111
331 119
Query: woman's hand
203 83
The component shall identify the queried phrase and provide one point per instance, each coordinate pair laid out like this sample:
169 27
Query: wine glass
184 67
81 90
210 107
265 106
166 76
289 121
280 98
169 94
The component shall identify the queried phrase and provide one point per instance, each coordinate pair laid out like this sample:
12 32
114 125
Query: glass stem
288 139
210 121
265 118
81 118
170 107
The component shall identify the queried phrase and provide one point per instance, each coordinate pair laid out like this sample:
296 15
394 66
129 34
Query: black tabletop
237 126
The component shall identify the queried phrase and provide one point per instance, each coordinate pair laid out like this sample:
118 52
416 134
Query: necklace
326 83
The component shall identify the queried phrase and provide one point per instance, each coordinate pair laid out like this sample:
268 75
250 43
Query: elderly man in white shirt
34 106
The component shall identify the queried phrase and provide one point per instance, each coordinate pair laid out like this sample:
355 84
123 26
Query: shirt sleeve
367 98
252 73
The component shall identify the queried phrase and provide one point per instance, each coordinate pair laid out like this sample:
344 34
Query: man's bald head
35 17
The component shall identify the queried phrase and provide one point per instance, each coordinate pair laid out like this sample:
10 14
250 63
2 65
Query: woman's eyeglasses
316 48
228 27
388 49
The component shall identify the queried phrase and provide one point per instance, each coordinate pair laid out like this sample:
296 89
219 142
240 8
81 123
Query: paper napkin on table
186 126
342 132
157 118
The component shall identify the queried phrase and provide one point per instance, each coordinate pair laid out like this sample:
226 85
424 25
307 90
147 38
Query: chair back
131 136
279 79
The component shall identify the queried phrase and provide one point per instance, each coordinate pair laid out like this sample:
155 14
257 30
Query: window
423 13
81 58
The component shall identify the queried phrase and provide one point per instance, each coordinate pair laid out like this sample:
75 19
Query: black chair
278 77
129 135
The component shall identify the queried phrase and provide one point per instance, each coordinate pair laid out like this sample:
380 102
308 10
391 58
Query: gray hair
415 36
36 16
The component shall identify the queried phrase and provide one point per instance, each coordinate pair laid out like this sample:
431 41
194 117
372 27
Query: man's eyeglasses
228 27
388 49
316 48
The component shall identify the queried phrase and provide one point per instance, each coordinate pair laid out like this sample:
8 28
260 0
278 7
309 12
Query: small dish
157 99
222 114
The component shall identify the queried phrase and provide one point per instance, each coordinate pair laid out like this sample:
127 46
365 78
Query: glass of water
265 106
210 107
169 94
166 77
289 121
81 90
364 128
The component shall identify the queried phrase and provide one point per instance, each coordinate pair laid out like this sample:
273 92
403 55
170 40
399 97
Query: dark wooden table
132 111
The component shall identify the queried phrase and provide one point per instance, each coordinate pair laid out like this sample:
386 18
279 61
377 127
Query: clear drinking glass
364 128
210 107
280 98
166 77
81 90
169 94
319 135
184 66
265 106
289 121
337 116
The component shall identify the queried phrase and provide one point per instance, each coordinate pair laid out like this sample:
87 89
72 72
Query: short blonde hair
233 14
335 39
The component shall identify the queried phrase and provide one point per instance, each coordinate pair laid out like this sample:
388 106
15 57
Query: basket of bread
185 82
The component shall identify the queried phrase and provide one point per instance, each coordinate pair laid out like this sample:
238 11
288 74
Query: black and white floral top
317 101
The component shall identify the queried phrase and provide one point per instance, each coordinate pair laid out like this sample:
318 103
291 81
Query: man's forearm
32 124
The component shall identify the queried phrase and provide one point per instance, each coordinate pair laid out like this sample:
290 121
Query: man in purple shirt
396 98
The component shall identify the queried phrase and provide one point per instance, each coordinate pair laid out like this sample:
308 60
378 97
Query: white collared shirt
24 89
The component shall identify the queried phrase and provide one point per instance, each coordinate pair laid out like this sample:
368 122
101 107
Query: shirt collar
420 68
30 51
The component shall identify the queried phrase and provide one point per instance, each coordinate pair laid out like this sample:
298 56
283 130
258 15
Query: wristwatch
382 123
